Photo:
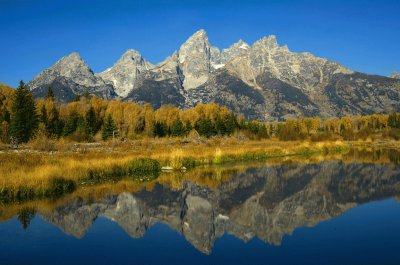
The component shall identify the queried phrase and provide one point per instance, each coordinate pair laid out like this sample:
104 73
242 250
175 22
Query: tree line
90 118
346 128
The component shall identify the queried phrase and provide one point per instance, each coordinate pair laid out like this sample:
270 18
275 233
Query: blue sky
362 35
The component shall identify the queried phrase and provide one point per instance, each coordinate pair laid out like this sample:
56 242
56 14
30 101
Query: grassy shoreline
27 174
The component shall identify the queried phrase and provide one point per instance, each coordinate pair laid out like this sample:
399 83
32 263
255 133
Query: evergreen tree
205 127
24 119
177 128
231 124
91 121
71 123
160 129
54 124
50 94
7 116
43 115
188 127
220 126
25 216
4 137
394 120
109 128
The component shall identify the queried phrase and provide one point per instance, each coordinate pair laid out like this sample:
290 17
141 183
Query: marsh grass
142 169
26 175
210 176
56 188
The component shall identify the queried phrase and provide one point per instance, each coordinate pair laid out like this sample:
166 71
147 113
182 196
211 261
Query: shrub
393 133
113 174
42 143
324 136
143 167
60 186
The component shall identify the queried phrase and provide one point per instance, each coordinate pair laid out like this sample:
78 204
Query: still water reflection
331 212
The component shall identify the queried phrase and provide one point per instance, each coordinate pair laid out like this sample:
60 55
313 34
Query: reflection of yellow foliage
176 158
217 156
35 169
207 176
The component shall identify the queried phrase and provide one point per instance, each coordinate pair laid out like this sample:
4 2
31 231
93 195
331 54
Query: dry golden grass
31 168
207 176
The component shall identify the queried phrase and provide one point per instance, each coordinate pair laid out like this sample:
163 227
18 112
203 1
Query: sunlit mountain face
264 81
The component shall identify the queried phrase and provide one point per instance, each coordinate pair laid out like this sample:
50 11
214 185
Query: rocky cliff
264 81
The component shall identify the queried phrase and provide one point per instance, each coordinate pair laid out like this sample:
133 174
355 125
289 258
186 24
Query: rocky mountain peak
233 51
71 66
269 42
196 57
201 33
395 75
73 56
241 44
131 54
73 74
124 74
263 81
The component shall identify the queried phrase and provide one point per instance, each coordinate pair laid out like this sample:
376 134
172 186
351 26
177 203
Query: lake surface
330 212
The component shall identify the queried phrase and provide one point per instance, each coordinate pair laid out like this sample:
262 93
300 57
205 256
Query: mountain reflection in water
266 202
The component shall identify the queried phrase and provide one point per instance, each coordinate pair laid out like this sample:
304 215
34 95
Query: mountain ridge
287 84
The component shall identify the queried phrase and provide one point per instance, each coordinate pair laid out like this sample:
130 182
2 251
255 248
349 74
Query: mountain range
263 81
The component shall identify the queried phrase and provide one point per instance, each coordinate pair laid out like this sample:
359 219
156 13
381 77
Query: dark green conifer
54 124
91 121
177 128
24 119
109 128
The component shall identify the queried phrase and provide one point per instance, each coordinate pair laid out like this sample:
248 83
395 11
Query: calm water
320 213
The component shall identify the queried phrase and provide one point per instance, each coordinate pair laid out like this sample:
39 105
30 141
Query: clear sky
362 35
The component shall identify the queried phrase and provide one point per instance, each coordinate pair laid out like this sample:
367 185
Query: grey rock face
237 49
228 90
70 74
395 75
196 57
264 81
302 70
125 73
163 92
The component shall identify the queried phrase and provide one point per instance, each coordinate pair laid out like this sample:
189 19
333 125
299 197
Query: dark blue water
366 231
368 234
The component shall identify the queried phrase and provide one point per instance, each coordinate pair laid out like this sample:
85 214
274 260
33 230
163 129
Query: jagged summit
124 74
70 66
233 51
70 62
269 42
69 75
263 81
73 56
201 33
196 56
395 75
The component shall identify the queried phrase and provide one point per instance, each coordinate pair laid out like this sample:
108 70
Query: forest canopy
91 118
